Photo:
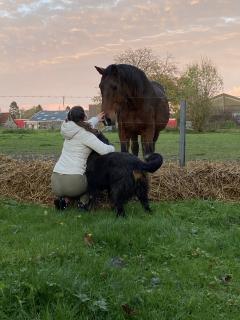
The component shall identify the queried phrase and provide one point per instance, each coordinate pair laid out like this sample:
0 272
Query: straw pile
198 180
26 181
30 181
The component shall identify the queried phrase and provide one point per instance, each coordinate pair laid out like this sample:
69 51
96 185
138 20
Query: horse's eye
114 87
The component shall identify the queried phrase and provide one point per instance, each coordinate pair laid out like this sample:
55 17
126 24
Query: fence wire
47 145
221 142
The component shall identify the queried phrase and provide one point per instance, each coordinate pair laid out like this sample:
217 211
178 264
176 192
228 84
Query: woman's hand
101 116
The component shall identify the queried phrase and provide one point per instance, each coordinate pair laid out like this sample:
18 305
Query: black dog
122 174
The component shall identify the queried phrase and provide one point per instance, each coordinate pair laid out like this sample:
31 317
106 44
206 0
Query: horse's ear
100 70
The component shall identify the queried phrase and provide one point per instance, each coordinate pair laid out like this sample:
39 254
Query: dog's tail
153 162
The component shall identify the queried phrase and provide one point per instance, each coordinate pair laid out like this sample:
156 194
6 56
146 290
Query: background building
225 108
47 120
7 121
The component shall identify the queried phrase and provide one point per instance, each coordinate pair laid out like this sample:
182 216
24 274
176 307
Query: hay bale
26 181
30 181
198 180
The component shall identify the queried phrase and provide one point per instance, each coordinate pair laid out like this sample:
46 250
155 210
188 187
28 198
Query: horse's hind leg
147 141
147 147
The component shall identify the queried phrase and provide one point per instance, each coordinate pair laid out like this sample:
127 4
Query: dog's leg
120 211
145 204
117 201
142 193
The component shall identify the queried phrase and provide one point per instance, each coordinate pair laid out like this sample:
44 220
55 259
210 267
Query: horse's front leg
125 146
124 140
156 135
134 145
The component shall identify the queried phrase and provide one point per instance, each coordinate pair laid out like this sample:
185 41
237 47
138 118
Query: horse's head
111 92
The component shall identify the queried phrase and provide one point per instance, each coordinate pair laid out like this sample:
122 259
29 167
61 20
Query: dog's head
101 137
94 155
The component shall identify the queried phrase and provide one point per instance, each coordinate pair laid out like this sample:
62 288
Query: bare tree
162 70
142 58
145 60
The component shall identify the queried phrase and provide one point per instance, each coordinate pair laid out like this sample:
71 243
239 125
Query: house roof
49 116
4 117
226 95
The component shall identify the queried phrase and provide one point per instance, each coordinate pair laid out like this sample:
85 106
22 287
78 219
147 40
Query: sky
49 48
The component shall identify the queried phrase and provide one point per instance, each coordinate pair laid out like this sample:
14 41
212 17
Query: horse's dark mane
129 76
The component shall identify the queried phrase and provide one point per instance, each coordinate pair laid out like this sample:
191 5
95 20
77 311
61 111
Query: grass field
182 262
208 146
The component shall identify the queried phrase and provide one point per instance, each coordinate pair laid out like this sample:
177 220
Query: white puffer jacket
77 146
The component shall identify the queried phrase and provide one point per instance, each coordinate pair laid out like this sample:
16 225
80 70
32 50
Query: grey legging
69 185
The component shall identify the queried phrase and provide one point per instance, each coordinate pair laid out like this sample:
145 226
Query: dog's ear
100 70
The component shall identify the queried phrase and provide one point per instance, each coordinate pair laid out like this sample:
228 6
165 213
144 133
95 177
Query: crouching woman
68 179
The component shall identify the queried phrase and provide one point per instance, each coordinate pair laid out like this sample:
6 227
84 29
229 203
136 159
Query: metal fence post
182 128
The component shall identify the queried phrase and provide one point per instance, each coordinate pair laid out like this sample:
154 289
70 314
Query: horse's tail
153 163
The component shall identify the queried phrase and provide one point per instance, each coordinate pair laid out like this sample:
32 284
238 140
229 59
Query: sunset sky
49 47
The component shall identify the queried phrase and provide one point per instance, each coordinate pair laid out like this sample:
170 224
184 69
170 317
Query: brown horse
138 104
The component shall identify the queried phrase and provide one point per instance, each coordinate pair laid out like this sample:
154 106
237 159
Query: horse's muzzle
107 122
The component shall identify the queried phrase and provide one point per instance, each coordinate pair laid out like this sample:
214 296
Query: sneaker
60 203
56 204
81 206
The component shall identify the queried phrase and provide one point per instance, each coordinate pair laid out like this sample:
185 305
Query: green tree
14 110
198 84
38 108
27 114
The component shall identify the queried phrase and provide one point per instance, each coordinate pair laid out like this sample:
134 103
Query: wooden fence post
182 128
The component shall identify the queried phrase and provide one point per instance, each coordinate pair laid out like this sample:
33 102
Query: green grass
30 141
182 262
208 146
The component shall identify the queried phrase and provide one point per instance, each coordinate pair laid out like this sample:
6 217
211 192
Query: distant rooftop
3 117
49 116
